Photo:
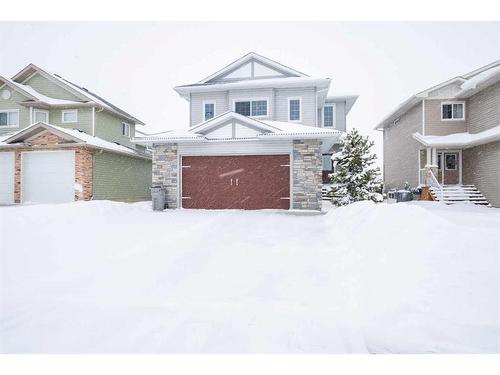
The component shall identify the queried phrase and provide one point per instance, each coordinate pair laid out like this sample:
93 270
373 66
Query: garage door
48 177
238 182
6 177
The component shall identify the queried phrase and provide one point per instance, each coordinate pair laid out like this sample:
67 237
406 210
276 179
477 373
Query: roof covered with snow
265 129
86 95
19 137
468 85
460 139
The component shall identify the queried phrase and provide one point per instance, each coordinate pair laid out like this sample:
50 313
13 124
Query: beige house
448 137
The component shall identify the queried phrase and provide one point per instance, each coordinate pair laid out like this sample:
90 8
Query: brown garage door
241 182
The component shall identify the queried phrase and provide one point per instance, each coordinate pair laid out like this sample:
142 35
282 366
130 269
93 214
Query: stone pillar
166 171
307 169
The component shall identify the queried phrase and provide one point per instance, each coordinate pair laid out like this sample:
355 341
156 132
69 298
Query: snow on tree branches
355 179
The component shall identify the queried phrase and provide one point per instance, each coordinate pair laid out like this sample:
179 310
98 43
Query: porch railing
432 181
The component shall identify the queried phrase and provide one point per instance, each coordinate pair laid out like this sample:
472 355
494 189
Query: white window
39 115
9 118
294 109
453 111
252 108
125 129
329 116
70 115
208 110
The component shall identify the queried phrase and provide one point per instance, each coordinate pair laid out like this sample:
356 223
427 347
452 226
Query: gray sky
135 65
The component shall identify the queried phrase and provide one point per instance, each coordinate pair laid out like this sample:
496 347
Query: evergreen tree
356 178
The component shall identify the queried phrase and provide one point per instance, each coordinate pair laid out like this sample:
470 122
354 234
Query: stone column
165 171
307 168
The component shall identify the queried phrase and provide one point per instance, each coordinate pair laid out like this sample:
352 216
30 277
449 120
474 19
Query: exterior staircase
460 194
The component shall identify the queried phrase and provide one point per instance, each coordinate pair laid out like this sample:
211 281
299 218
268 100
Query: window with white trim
9 118
329 116
208 110
70 115
327 162
125 129
252 108
293 109
40 115
453 111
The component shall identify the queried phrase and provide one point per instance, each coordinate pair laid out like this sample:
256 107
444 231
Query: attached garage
236 182
48 176
7 170
235 162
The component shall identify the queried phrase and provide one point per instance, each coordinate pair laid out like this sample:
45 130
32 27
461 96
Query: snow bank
102 277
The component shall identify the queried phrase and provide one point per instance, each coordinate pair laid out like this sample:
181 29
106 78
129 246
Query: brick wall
307 168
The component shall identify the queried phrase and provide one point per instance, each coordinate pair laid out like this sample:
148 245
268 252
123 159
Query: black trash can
404 196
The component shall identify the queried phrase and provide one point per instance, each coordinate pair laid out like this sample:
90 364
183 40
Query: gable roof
270 130
249 57
73 135
468 85
79 91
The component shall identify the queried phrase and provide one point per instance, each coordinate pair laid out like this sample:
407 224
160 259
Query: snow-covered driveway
102 277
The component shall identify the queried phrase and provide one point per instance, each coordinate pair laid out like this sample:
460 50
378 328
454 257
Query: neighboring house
261 134
453 131
60 142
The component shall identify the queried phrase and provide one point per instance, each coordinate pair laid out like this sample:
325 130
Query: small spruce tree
356 178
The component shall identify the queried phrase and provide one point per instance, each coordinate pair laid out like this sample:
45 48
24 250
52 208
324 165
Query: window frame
334 111
203 114
453 118
35 110
65 111
239 100
10 111
128 126
299 98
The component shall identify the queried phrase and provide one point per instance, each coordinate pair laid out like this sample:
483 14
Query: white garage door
48 177
6 177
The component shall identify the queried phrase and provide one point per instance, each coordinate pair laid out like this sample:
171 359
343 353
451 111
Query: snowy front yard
101 277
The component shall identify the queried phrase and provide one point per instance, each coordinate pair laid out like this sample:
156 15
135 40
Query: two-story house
260 135
60 142
448 137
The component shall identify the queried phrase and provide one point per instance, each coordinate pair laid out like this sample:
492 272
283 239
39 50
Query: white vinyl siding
40 116
307 104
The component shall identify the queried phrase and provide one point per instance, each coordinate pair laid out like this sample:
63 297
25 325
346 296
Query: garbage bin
404 196
391 196
158 198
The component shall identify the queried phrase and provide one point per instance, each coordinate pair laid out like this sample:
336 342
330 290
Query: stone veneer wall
165 170
307 172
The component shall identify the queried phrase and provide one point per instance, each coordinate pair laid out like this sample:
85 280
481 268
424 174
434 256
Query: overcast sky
135 65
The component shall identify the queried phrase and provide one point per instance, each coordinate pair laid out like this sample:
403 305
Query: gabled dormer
34 95
258 87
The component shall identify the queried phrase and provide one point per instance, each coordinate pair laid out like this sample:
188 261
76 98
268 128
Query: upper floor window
293 109
329 116
208 110
70 115
9 118
253 108
125 129
39 115
453 111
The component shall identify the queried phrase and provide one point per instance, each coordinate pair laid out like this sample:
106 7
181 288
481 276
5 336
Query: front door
449 167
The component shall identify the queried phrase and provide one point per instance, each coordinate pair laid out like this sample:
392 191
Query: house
448 138
60 142
260 135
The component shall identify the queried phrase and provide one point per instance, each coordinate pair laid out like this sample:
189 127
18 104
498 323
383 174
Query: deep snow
101 277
